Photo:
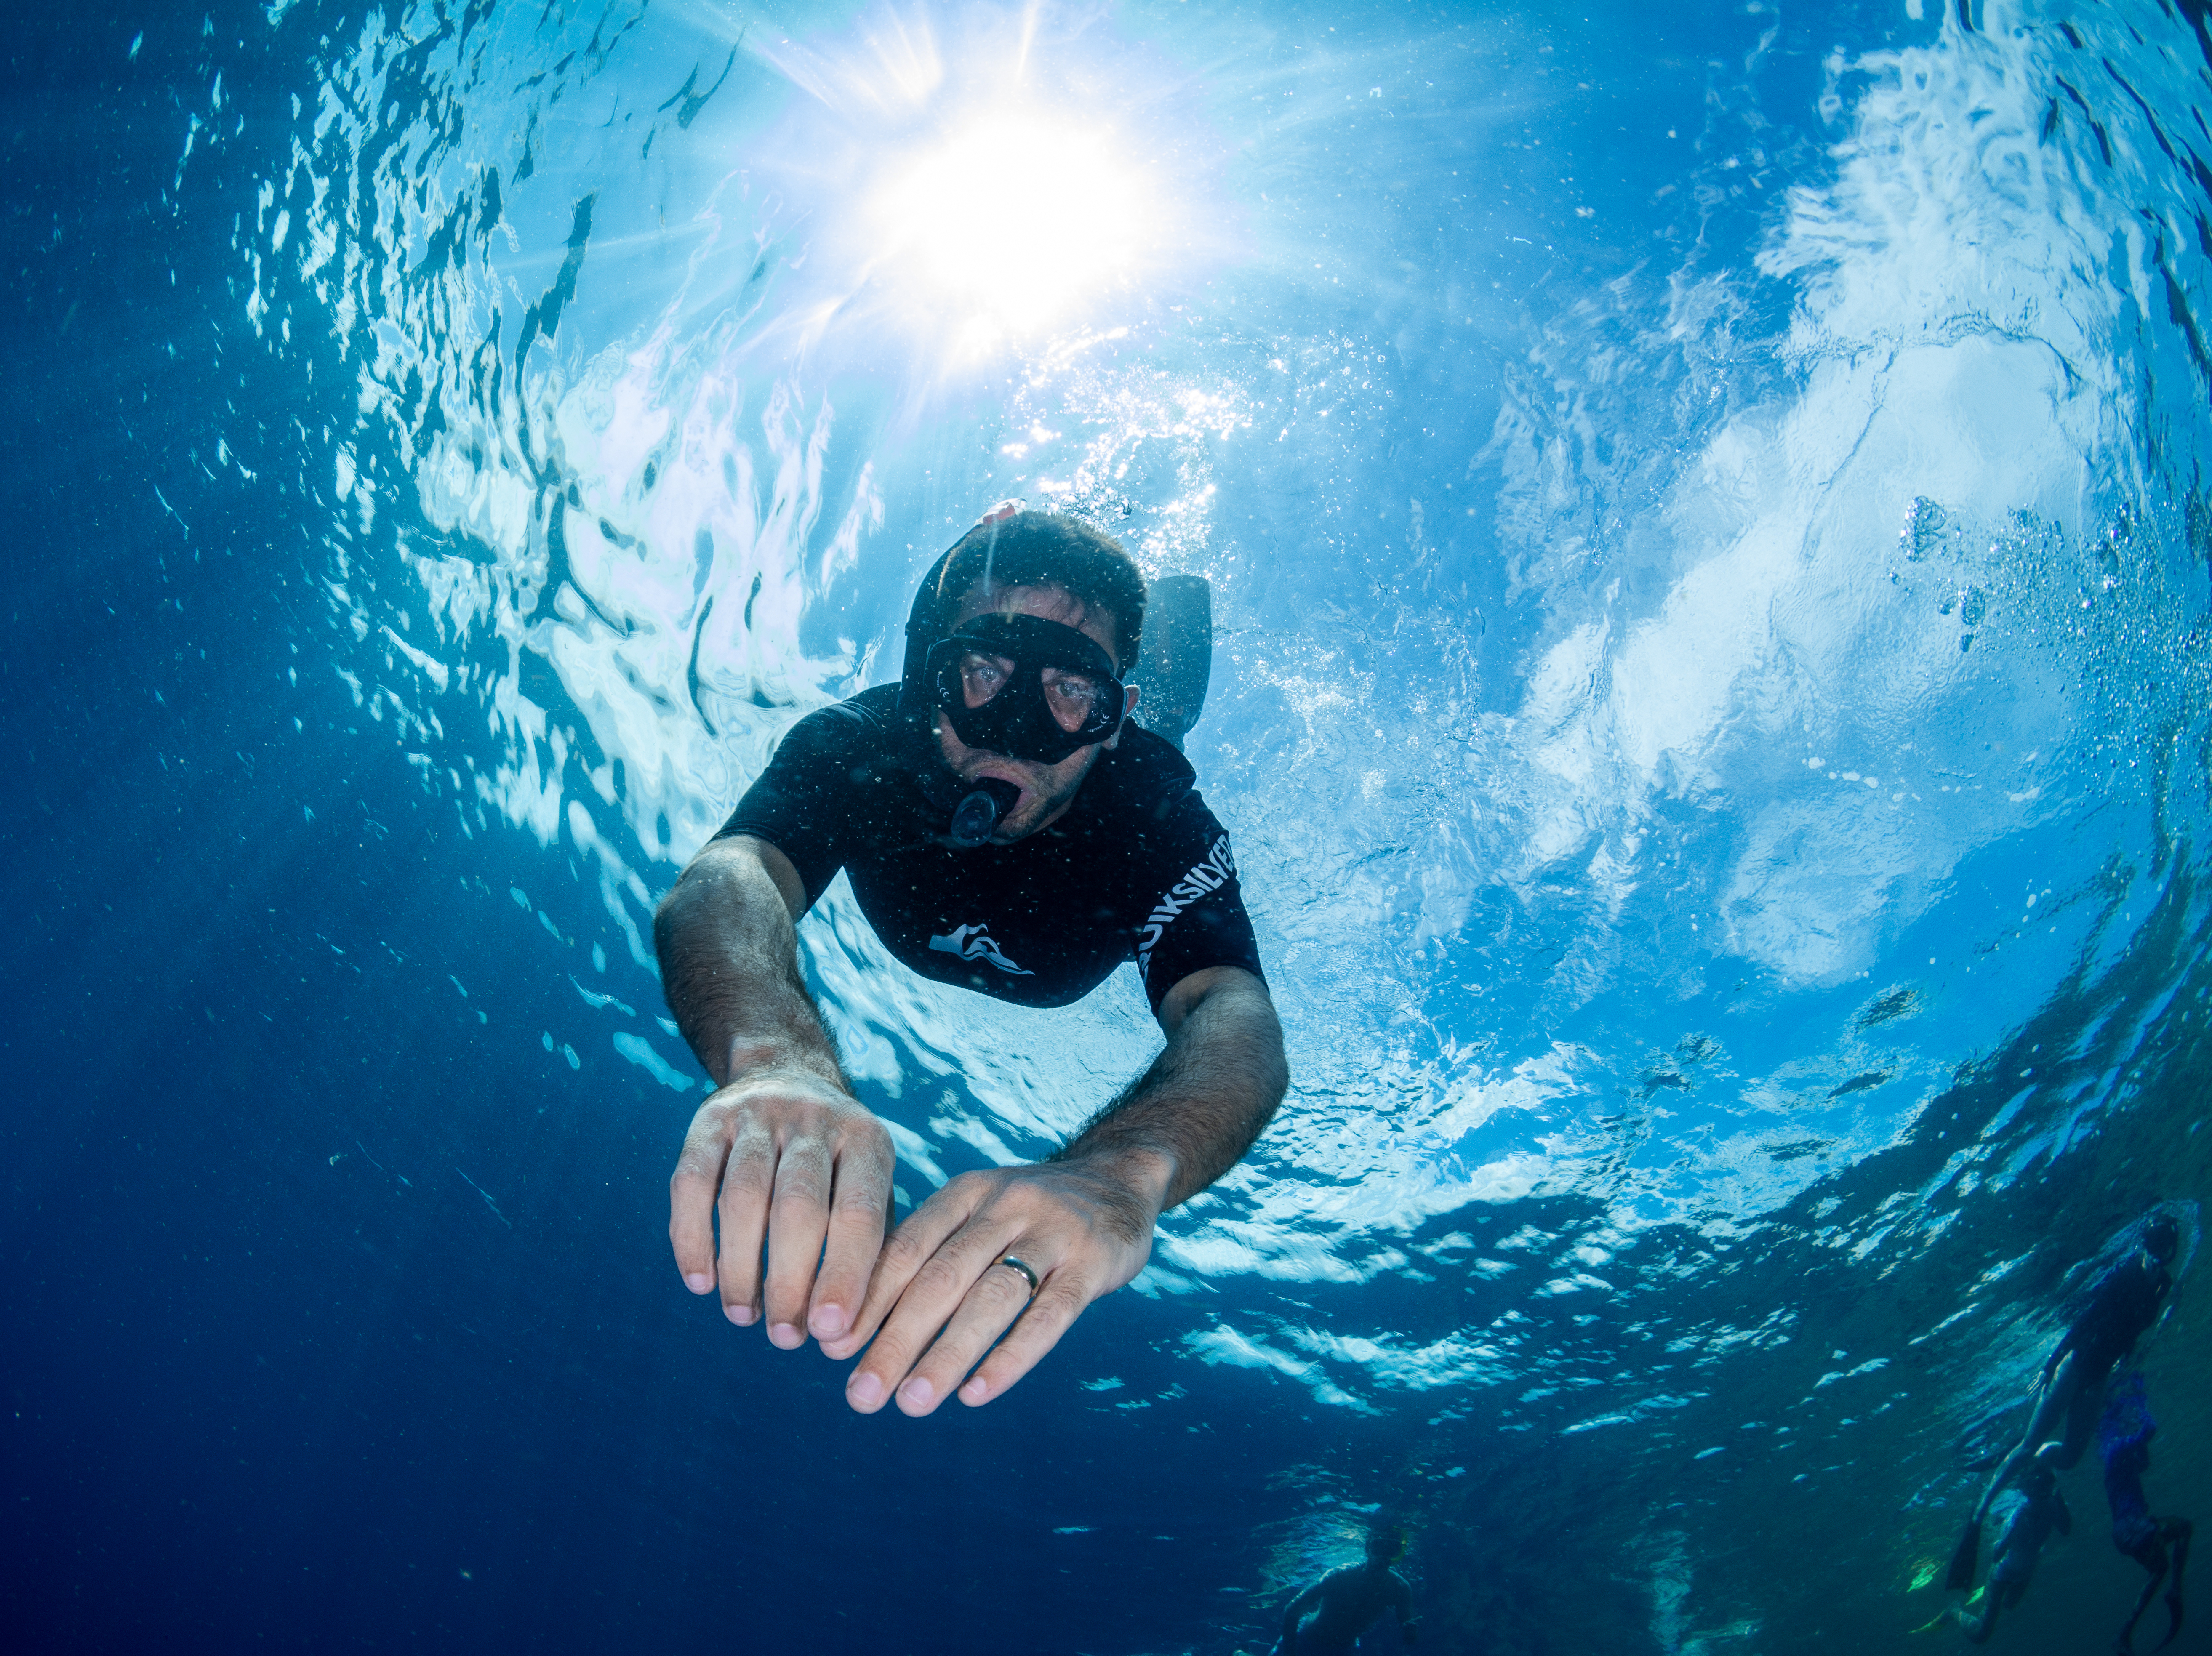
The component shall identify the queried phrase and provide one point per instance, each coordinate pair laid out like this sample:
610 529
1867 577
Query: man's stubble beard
1049 793
1048 787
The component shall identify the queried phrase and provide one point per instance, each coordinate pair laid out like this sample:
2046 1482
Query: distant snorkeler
2038 1513
2160 1546
1347 1602
2124 1303
1006 828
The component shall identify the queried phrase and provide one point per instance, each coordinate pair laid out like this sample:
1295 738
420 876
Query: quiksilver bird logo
971 943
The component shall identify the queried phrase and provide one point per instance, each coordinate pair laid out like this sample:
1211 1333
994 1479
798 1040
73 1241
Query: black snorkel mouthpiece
976 817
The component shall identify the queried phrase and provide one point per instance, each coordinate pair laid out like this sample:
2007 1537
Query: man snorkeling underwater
2070 1387
1347 1602
1006 830
2038 1513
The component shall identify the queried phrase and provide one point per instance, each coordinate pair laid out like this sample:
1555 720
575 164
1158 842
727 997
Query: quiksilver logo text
1203 878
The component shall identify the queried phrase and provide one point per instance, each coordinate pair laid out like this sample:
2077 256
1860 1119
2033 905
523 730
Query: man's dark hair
1041 549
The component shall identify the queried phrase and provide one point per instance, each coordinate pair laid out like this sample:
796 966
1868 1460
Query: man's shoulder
868 720
875 708
1147 778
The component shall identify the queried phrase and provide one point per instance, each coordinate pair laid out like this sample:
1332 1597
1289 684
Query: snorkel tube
1175 660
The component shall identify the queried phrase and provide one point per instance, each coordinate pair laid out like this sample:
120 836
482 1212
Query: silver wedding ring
1027 1275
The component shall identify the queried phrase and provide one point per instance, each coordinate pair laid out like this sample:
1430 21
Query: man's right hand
792 1161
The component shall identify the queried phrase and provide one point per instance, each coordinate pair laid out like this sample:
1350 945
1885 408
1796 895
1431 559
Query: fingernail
740 1314
787 1336
867 1390
917 1392
828 1321
975 1391
698 1282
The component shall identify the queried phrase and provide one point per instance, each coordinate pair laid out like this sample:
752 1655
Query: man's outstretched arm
1191 1117
783 1149
1082 1222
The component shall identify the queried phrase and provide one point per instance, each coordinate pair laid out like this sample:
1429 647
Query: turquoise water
1705 514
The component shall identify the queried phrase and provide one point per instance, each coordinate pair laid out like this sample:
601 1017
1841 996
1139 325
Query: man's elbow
1246 996
1228 992
685 905
708 895
726 876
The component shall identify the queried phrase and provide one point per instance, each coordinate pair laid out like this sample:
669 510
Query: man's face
1047 789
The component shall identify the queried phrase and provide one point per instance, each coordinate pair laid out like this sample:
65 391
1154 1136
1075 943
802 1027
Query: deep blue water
1708 521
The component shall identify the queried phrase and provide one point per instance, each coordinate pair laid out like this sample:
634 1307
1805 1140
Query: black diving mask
1025 686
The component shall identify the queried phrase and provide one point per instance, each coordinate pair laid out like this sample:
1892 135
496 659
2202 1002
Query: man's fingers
910 1246
990 1309
859 1213
691 1201
746 1182
932 1294
1061 1299
925 1270
797 1222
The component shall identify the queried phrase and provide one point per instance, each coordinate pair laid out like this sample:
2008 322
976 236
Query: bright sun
1016 218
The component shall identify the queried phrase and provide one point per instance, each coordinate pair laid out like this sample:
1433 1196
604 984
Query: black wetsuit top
2122 1307
1137 868
1344 1603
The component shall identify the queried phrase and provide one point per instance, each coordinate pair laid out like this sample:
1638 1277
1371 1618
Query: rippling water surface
1707 520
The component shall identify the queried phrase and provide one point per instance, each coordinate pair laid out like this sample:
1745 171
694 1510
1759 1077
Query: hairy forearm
1204 1101
729 966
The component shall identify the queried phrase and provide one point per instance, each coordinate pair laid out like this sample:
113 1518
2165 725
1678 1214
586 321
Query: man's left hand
940 1297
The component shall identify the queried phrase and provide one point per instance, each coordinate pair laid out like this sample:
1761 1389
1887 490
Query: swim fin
2180 1561
1176 661
1967 1557
1948 1615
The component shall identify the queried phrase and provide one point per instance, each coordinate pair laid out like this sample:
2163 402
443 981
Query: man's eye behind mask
1026 687
1077 701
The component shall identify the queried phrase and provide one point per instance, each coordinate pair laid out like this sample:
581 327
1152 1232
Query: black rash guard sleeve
804 803
1194 913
